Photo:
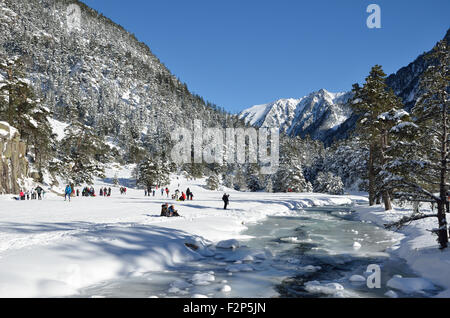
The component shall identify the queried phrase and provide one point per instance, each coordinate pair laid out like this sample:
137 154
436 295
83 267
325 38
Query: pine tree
328 183
371 101
420 168
240 183
153 172
212 182
116 180
253 178
82 154
289 177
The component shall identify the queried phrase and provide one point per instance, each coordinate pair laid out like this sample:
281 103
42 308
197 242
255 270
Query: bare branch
406 220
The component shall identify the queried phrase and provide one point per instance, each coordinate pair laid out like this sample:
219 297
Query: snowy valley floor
53 248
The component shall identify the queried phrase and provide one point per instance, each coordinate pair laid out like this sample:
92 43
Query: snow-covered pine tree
153 172
348 160
269 185
328 183
116 180
212 182
240 183
419 170
253 177
370 101
289 177
82 154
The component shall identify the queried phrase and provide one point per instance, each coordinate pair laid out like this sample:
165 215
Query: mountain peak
317 114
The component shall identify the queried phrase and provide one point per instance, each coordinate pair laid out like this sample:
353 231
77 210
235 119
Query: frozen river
320 252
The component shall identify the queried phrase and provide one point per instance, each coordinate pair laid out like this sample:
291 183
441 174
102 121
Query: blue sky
238 53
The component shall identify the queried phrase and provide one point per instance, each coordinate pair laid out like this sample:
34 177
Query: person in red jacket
22 195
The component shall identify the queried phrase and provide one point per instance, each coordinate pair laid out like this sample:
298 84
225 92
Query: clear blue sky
238 53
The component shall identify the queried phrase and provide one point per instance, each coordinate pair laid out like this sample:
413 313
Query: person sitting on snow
172 211
165 210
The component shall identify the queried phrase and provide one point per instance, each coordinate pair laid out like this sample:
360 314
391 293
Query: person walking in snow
101 192
167 191
162 191
109 191
226 200
188 193
22 195
68 193
39 192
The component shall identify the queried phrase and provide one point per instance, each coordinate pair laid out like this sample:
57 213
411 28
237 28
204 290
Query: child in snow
172 211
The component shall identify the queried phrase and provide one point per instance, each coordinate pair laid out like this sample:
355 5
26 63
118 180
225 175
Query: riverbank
418 246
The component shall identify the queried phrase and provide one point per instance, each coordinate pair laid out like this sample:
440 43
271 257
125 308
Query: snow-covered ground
418 247
53 248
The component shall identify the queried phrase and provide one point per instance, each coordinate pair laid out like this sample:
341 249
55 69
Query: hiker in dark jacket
226 200
165 210
39 192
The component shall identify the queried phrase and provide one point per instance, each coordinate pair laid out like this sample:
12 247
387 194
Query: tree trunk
443 232
387 201
385 194
371 176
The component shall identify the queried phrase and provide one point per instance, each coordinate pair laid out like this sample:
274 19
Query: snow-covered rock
202 279
410 285
228 244
239 268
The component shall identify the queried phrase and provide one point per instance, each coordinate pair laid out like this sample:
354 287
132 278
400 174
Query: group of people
87 192
168 211
123 190
152 192
184 196
35 194
105 192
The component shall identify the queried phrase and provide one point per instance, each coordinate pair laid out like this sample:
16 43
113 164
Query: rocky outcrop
13 163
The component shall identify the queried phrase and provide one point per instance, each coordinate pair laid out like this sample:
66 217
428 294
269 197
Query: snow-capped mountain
326 116
405 82
318 114
100 73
